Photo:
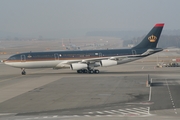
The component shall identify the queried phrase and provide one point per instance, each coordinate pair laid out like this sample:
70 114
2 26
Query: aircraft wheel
91 71
23 72
84 71
79 71
96 71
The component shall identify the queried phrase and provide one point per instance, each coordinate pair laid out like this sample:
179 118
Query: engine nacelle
78 66
106 63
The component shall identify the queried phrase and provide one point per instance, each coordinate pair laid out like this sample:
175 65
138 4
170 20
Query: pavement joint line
171 96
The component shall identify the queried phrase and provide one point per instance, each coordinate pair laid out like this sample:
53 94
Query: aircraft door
23 58
133 52
100 54
56 56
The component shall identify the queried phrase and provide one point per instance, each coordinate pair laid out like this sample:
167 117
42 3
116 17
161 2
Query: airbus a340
84 61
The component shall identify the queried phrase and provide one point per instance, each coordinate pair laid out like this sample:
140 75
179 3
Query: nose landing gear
23 71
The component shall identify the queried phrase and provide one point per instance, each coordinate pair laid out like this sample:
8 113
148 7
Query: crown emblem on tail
152 38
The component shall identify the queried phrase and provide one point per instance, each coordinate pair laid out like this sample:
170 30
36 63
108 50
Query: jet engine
78 66
106 63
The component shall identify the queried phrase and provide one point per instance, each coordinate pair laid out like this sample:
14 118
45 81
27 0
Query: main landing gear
91 71
23 71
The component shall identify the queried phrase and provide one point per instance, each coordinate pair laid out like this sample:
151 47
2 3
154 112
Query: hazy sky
73 18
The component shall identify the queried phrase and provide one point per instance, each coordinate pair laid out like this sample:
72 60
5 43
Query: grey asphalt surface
118 92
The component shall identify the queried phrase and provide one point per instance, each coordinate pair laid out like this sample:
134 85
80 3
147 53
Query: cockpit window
15 57
12 58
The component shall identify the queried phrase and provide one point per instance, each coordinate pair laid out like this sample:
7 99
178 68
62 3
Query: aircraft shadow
157 84
105 73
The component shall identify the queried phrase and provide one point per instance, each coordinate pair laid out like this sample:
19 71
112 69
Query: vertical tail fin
152 38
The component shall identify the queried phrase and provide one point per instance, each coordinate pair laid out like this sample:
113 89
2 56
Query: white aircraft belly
34 64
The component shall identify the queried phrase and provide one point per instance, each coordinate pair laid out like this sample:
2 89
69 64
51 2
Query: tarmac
117 92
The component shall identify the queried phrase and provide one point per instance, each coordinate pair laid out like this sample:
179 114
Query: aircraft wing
116 58
91 60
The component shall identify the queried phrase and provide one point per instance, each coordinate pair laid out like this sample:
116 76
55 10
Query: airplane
84 61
